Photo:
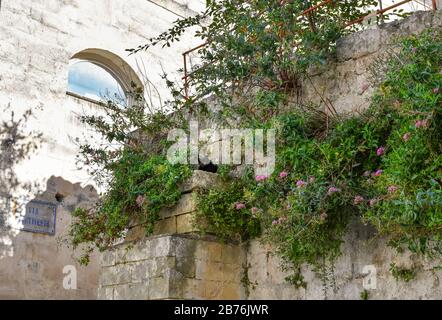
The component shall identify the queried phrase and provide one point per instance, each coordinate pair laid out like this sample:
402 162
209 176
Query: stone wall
176 263
362 253
172 267
346 82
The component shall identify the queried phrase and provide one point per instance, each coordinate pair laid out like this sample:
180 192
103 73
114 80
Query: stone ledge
173 267
179 218
200 180
366 42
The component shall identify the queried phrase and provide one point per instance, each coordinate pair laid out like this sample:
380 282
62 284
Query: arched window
99 75
92 81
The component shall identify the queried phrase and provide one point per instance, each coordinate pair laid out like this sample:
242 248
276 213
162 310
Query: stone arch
113 64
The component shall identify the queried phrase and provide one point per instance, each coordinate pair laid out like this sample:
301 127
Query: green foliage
220 212
126 158
403 274
408 194
364 295
139 189
297 280
251 46
383 166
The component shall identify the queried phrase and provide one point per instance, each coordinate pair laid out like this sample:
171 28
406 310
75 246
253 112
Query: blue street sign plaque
40 217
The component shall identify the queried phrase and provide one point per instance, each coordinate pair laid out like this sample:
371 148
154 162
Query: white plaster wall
37 40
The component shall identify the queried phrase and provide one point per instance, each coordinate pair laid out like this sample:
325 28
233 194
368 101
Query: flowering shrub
384 166
408 193
223 211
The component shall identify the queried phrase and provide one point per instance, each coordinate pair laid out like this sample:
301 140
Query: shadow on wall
16 145
32 255
36 263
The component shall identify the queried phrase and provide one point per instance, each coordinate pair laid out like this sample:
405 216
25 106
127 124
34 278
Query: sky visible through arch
89 80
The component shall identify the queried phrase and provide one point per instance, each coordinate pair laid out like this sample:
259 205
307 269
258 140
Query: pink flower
282 219
392 189
311 179
283 174
406 136
436 90
358 200
373 202
239 206
254 210
378 173
260 178
332 190
140 200
275 222
421 124
323 216
300 183
380 151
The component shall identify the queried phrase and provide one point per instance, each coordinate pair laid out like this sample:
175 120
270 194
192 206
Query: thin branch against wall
163 7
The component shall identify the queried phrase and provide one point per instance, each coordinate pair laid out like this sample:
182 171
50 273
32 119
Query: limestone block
161 246
135 233
230 291
158 288
139 291
165 226
105 293
115 275
186 266
233 254
107 258
184 223
185 205
142 271
175 284
208 270
212 289
193 289
200 180
209 251
231 273
161 265
200 269
137 251
359 44
183 247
